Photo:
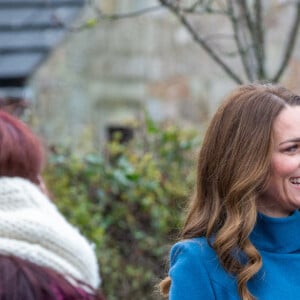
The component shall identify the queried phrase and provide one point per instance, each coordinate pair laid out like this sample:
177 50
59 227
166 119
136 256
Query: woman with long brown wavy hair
241 236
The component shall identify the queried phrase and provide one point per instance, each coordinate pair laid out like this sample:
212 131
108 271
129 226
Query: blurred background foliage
129 202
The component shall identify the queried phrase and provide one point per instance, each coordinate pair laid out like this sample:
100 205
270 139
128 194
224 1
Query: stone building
109 74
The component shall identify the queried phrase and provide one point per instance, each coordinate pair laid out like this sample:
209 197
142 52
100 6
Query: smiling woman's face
282 196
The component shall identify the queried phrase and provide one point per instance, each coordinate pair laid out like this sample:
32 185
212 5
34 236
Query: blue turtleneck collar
277 235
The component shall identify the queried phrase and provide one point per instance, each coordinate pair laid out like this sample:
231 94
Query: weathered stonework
111 73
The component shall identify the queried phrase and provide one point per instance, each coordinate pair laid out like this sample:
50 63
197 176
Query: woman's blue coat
197 275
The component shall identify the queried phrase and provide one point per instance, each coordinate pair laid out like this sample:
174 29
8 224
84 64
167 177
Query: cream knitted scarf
32 228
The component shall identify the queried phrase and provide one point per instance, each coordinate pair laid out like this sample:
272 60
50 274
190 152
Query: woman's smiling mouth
295 180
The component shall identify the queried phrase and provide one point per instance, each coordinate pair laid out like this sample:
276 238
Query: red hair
23 280
21 153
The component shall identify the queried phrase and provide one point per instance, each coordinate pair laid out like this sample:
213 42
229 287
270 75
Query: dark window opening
123 134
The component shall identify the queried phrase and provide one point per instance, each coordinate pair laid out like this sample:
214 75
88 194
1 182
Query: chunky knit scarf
32 228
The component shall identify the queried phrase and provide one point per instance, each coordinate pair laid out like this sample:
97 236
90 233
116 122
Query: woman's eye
292 148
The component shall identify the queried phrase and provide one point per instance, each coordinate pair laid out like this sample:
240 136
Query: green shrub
129 203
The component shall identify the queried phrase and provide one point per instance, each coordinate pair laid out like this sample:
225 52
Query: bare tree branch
290 44
250 26
238 40
203 11
247 26
195 5
100 16
210 51
259 33
199 7
247 15
255 27
132 14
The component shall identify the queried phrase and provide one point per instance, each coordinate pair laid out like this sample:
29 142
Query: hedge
129 202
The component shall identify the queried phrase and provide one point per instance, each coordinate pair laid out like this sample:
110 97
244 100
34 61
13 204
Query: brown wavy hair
233 170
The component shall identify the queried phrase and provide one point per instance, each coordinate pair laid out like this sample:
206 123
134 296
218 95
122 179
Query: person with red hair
42 256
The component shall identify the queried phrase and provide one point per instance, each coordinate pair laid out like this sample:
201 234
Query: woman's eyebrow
295 140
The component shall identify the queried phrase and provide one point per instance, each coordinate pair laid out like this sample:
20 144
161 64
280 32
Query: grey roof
29 29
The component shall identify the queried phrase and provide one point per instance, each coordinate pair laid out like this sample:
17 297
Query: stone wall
112 73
